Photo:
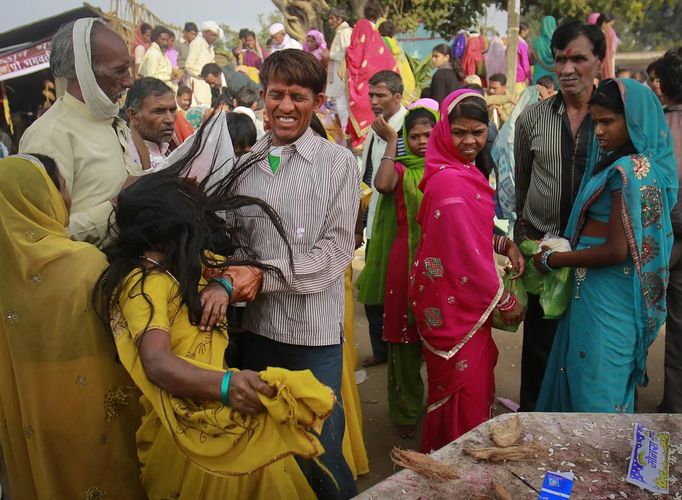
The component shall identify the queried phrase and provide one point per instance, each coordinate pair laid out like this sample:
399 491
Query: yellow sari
354 450
198 450
68 408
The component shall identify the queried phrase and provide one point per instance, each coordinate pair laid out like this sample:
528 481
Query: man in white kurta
336 86
155 64
201 53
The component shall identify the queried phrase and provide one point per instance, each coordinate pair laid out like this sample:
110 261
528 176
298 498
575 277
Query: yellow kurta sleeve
145 306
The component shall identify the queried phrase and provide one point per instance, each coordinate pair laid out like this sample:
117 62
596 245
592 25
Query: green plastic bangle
226 283
224 388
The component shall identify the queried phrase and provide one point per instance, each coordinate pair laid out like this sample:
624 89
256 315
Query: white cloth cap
211 26
245 111
276 28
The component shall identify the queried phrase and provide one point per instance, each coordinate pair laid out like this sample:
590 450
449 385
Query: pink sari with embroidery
366 55
454 288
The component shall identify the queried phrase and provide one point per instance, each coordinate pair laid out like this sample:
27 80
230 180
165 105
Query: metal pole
513 10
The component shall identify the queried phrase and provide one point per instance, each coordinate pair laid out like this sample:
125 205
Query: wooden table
595 446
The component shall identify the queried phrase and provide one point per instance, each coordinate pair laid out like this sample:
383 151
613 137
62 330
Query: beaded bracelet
544 260
226 283
224 388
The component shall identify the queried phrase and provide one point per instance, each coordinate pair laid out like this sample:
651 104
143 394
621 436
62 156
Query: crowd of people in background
201 232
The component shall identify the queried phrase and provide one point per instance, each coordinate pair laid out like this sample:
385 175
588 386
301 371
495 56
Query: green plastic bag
519 290
555 289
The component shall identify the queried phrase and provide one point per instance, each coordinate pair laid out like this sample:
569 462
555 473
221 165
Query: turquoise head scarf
543 50
649 192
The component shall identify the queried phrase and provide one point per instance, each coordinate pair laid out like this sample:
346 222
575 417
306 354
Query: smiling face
112 64
155 121
278 37
610 128
384 102
289 109
250 42
184 101
576 66
469 137
418 137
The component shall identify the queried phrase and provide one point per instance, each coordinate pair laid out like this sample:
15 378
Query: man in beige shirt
155 63
82 131
200 54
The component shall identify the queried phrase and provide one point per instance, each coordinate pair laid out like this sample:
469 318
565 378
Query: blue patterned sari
601 344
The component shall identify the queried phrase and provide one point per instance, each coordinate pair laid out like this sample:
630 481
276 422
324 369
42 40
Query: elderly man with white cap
82 131
280 40
200 54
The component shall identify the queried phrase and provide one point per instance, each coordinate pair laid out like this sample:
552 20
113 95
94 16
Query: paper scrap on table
557 486
360 376
649 460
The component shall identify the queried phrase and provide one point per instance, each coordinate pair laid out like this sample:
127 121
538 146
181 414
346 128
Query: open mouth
286 120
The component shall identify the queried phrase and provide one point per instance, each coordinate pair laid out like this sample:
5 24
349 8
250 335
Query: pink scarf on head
321 44
592 18
138 40
455 284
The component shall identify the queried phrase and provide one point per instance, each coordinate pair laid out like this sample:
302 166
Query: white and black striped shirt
550 164
316 193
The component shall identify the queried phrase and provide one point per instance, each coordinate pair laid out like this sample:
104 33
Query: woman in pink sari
454 284
366 55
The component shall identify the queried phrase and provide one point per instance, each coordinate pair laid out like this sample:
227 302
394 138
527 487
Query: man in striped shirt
550 153
314 186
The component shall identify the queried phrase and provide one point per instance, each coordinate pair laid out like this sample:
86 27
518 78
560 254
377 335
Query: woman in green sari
400 174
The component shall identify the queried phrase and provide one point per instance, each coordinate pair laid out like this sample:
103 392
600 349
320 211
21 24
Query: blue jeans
325 363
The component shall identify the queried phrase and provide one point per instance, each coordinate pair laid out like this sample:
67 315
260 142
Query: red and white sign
25 61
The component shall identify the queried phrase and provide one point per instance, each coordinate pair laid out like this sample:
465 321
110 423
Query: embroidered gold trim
438 404
449 354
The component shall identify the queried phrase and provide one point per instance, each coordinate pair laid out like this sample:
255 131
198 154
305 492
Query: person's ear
319 100
132 115
261 92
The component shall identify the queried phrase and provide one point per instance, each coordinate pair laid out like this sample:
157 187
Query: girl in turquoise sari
621 234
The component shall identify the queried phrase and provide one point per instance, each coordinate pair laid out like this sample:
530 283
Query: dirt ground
380 435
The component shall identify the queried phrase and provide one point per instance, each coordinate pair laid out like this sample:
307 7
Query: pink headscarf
453 293
441 152
592 18
424 102
138 40
321 44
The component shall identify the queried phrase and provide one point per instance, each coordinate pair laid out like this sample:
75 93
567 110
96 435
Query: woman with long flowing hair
209 431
